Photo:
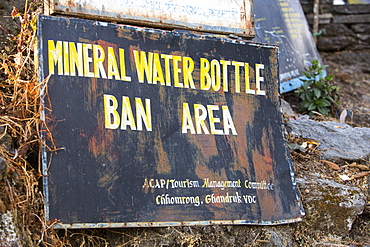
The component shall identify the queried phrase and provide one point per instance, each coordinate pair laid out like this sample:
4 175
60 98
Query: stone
8 235
361 28
3 169
352 59
331 207
352 9
287 109
338 141
351 19
275 239
366 98
364 37
338 30
335 43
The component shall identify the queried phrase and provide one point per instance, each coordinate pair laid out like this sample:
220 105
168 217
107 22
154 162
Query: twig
4 29
350 154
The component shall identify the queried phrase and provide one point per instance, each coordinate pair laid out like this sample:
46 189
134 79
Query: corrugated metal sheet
216 16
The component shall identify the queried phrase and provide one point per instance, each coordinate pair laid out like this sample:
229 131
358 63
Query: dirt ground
352 73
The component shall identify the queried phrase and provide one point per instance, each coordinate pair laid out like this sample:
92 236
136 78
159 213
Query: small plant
318 93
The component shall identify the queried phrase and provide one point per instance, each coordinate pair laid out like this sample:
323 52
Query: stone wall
343 40
341 27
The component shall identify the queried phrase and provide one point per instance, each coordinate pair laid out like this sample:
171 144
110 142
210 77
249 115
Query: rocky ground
351 73
354 79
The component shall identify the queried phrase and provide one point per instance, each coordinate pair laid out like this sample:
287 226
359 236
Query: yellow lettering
187 123
187 70
237 75
228 121
215 75
176 71
259 79
213 120
157 70
200 116
76 60
111 115
142 115
122 64
55 56
127 119
87 60
144 65
127 115
248 89
200 113
99 57
112 65
66 57
146 184
225 74
167 59
205 78
207 199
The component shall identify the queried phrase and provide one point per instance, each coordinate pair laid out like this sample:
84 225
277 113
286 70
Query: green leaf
329 98
312 106
317 92
323 110
308 96
306 74
305 104
324 102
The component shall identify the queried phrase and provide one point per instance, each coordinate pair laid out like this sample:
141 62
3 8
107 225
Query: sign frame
233 17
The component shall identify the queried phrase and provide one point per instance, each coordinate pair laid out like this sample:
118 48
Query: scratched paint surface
283 23
220 16
162 128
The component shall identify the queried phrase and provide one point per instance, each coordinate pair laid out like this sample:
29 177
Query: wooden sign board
161 128
283 23
215 16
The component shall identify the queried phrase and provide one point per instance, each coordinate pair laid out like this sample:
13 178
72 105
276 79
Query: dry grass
21 128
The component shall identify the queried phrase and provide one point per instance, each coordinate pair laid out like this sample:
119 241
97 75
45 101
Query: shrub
318 94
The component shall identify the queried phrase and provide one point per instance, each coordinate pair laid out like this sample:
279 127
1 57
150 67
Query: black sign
283 23
160 128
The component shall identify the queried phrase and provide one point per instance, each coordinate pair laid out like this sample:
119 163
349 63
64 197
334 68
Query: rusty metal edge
43 152
49 9
172 223
223 37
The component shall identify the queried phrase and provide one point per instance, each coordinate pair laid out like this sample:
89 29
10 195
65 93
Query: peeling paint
220 16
